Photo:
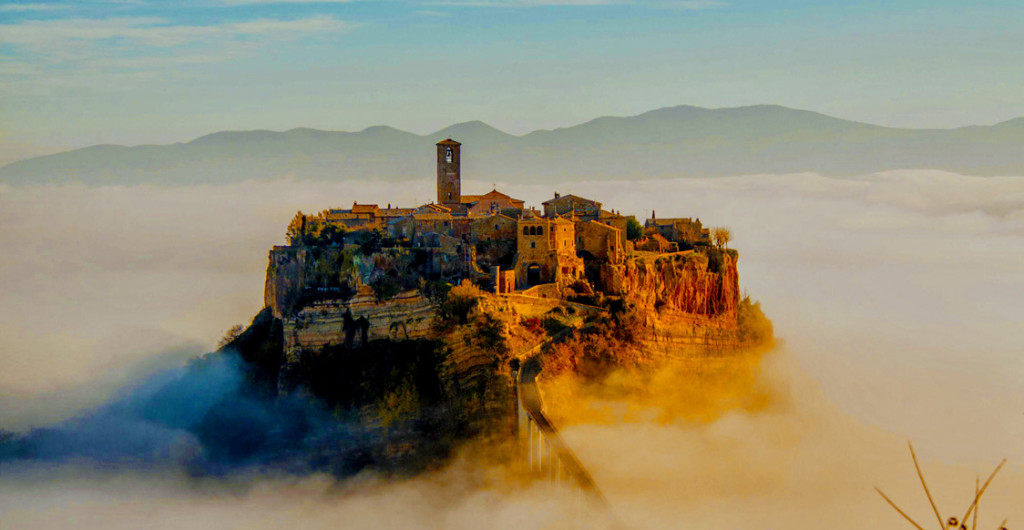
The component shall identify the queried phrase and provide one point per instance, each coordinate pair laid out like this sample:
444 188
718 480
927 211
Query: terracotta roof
434 207
496 193
448 141
598 224
569 195
397 212
493 194
491 218
365 208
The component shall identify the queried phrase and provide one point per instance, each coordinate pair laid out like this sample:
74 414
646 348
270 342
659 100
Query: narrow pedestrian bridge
550 458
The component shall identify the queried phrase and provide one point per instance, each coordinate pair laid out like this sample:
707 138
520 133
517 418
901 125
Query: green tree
369 241
634 230
400 404
231 335
386 286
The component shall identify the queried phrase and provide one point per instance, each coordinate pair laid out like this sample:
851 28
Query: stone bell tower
449 177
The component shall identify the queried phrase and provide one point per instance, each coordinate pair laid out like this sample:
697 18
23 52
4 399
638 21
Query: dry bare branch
983 488
977 483
925 485
897 508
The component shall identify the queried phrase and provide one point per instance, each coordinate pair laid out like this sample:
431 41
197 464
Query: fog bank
896 299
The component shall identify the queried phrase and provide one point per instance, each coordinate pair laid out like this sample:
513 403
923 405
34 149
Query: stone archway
533 275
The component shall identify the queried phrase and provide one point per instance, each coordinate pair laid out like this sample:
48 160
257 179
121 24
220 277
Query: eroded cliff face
688 300
301 276
409 315
692 283
284 283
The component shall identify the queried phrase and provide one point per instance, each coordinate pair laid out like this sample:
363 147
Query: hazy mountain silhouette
679 141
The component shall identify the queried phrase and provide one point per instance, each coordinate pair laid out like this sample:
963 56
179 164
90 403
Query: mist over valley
894 298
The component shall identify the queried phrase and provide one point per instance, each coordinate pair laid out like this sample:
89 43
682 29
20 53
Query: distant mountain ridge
682 141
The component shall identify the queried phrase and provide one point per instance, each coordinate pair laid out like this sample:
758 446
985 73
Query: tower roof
448 141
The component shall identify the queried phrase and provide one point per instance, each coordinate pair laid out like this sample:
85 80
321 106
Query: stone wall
603 242
408 315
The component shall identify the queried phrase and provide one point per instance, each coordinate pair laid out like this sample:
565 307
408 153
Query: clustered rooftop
496 236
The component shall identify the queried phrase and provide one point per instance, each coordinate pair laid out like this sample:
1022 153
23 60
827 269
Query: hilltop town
418 322
492 240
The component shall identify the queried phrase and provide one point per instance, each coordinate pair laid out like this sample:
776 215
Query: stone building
614 219
598 241
656 242
347 219
495 237
421 223
432 208
359 216
682 230
546 252
491 202
389 214
572 206
496 227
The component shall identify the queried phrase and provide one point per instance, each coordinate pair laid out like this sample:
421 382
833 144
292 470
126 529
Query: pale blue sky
144 71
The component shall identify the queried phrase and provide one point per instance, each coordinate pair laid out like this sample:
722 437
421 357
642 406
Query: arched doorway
533 275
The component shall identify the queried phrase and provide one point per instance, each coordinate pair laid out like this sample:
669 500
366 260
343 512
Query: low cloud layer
896 299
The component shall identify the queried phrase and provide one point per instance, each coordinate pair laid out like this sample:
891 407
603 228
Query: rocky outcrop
688 300
409 315
299 276
689 283
479 379
284 283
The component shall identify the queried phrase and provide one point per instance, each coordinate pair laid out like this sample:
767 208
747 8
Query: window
526 230
540 230
448 155
495 226
533 244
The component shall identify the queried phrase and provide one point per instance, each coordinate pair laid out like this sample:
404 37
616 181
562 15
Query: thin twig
983 488
977 482
897 508
925 485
